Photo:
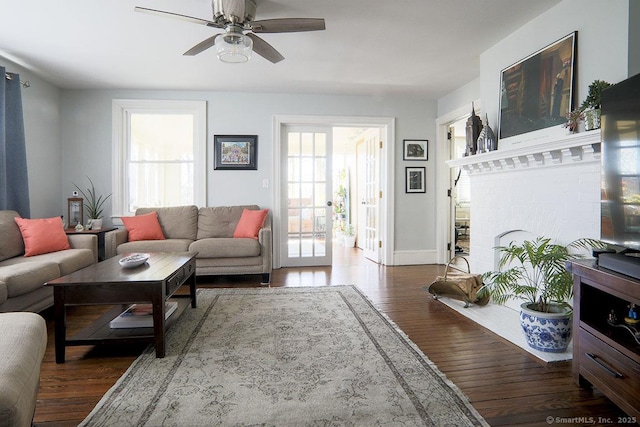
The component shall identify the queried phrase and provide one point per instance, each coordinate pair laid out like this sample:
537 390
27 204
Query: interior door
368 164
306 188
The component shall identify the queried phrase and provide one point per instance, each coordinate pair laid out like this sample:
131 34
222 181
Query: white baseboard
415 257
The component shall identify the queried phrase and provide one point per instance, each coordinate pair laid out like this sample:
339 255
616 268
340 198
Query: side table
99 232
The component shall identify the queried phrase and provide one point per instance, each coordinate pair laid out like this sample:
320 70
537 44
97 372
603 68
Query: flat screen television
620 193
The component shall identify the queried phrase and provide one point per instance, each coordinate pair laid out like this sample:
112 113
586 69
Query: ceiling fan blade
178 16
264 49
287 25
202 46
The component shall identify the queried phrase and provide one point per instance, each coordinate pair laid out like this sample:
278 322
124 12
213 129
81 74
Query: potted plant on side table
94 206
535 272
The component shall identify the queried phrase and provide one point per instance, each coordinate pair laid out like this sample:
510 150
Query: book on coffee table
140 316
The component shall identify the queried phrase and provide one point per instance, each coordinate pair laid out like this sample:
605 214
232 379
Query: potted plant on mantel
94 206
591 105
535 272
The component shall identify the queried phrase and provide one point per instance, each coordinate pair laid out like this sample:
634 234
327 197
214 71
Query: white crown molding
570 149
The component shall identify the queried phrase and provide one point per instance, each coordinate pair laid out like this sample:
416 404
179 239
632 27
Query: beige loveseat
22 278
207 231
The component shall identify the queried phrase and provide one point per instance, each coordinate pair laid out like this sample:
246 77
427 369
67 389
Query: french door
307 192
367 154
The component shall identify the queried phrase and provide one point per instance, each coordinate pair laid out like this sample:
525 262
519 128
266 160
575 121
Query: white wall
41 109
86 136
601 54
460 97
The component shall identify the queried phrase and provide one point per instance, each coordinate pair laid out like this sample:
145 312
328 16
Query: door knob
329 203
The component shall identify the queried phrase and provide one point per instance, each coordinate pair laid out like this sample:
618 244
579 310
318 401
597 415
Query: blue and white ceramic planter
548 332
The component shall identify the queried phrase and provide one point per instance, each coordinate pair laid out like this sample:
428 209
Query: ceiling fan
236 18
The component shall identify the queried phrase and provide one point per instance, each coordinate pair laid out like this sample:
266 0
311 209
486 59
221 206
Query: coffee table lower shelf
99 332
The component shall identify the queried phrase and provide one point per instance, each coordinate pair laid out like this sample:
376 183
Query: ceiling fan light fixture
234 47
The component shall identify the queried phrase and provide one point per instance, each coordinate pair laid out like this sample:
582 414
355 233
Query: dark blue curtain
14 182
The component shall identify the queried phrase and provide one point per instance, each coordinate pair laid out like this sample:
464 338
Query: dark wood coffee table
109 283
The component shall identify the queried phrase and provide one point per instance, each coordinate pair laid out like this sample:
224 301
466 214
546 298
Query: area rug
311 356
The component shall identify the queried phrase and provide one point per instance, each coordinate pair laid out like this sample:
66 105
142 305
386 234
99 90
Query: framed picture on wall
235 152
75 213
415 181
537 92
415 149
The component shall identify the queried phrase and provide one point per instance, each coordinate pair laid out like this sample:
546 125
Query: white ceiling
375 47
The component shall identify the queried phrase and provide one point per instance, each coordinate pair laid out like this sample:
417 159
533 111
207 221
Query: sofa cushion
250 223
42 235
70 260
27 276
143 227
10 237
177 222
168 245
220 221
225 247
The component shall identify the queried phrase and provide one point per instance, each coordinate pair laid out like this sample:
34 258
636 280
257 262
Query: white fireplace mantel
572 148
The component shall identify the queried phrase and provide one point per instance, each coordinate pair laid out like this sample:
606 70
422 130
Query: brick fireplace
550 189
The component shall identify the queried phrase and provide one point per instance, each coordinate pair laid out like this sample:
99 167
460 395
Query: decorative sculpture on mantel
487 140
473 128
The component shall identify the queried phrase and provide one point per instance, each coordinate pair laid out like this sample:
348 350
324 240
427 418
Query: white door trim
387 162
443 177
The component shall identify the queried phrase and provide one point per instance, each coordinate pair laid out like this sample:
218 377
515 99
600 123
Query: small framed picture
415 180
231 152
75 213
415 149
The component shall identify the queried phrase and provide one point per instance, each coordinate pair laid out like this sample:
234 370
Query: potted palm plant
535 272
93 205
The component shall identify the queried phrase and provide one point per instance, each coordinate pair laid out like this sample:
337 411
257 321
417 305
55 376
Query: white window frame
121 114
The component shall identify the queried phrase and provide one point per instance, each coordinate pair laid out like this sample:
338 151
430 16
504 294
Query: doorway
357 188
331 187
452 127
460 191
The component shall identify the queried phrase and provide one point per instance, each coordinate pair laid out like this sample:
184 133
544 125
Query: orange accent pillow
250 223
42 236
143 227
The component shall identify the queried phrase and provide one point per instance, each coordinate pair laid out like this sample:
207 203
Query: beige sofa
207 231
22 278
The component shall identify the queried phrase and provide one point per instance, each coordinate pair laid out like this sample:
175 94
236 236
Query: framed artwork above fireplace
537 92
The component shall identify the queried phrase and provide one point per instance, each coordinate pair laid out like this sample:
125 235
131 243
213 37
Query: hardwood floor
505 384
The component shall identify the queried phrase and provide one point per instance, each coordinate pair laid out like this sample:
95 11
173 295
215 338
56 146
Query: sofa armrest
85 241
266 247
113 239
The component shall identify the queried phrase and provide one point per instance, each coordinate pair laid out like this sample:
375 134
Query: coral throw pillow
42 236
250 223
143 227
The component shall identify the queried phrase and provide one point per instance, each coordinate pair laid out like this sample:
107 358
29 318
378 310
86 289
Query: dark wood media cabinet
605 356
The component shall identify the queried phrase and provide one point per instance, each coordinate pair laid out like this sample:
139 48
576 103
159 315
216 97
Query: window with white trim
159 154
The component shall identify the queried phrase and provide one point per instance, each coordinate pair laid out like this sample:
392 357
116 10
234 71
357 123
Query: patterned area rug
316 356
